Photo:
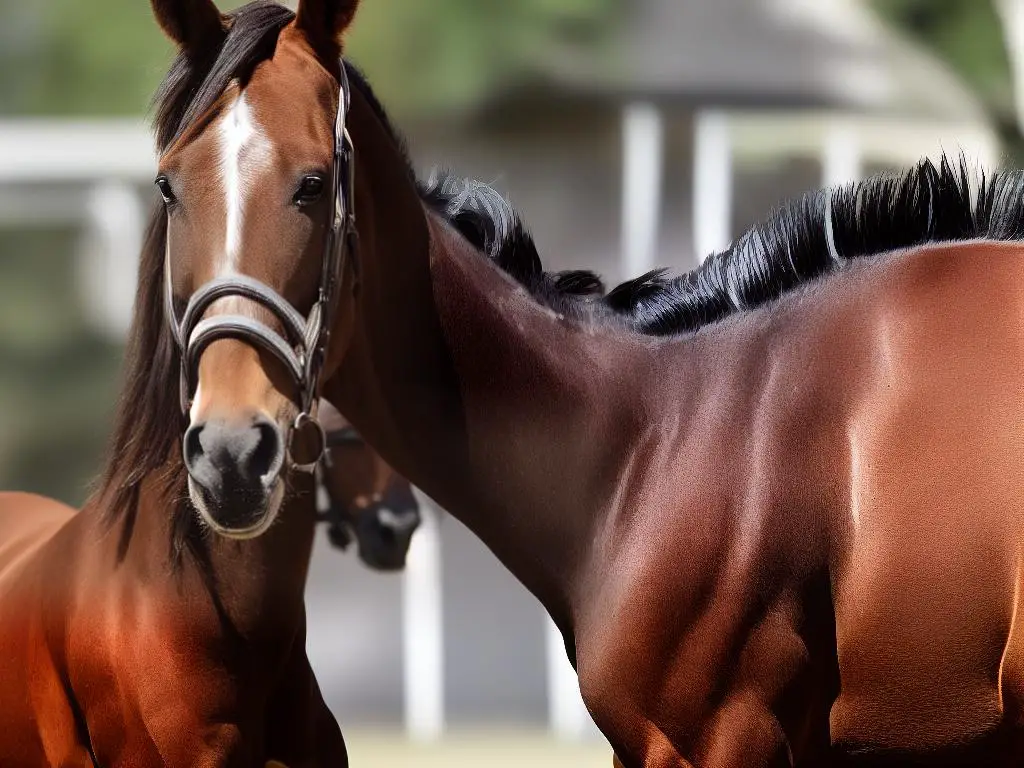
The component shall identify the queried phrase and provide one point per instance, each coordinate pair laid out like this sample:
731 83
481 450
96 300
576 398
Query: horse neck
509 418
251 591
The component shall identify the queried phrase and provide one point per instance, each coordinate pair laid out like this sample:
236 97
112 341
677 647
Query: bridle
337 517
302 348
342 521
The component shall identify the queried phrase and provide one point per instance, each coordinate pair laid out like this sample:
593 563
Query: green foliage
968 35
448 54
102 57
106 57
57 376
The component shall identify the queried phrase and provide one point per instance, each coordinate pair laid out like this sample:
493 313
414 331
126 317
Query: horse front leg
308 738
301 730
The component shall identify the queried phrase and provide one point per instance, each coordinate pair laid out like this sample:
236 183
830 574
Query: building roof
801 53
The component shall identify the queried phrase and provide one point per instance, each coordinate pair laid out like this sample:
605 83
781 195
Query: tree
968 35
1011 13
106 57
449 54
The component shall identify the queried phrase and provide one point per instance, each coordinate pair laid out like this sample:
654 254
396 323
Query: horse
164 623
770 503
363 498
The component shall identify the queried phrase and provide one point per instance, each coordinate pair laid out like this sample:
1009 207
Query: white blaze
245 155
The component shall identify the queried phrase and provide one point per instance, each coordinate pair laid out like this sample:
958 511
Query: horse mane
823 232
812 236
799 242
490 223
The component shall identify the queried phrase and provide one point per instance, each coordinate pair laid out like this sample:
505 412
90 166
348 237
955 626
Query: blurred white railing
40 151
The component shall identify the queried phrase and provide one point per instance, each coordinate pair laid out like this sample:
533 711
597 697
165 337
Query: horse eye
310 190
166 190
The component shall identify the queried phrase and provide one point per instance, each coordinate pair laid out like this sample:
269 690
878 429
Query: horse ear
324 21
192 24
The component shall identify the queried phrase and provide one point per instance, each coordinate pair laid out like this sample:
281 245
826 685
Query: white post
841 151
1011 13
109 254
567 714
423 629
985 151
642 162
712 183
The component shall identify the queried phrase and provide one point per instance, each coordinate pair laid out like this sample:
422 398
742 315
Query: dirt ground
511 749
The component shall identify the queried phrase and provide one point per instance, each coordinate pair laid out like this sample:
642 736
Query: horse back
27 522
40 725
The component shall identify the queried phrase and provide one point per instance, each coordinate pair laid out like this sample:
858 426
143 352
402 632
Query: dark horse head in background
362 497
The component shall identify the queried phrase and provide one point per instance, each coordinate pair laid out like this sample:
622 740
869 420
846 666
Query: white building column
1011 13
642 163
841 154
108 254
423 629
568 716
712 183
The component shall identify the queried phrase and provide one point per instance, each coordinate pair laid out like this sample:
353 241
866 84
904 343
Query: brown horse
364 498
144 630
771 504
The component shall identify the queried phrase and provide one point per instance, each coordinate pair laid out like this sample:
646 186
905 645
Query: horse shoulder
38 717
929 562
27 521
683 656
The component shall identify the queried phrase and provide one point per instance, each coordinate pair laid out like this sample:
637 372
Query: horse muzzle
234 470
384 533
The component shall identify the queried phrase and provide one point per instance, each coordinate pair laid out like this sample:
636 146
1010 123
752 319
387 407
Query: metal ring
303 421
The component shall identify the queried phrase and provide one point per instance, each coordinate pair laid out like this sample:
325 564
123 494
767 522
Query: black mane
801 241
485 218
193 85
821 233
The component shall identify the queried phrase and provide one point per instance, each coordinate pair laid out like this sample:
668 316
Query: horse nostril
264 462
225 458
397 525
388 535
193 448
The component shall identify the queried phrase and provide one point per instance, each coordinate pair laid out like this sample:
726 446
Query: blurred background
631 133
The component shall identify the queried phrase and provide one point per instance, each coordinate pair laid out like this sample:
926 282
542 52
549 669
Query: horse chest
724 686
39 726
